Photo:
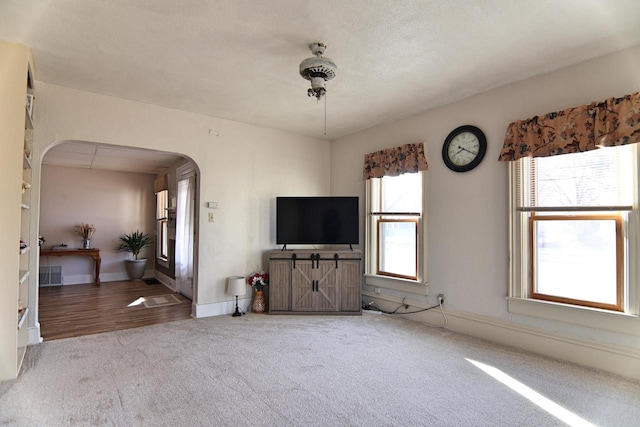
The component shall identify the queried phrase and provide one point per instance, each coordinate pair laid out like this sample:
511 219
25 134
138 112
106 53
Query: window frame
373 195
162 229
519 302
385 219
620 259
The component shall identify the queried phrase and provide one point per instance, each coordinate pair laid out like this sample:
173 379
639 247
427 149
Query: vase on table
86 244
258 305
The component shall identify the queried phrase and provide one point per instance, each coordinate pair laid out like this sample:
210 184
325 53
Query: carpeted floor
260 370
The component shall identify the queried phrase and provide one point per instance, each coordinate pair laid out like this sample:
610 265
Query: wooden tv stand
315 282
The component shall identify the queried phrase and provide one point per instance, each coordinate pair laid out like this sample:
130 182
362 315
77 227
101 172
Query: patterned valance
614 121
395 161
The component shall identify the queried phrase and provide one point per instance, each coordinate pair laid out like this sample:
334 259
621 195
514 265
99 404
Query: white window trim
418 286
163 262
160 260
518 299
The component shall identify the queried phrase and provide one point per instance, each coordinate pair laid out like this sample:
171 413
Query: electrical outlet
441 299
378 291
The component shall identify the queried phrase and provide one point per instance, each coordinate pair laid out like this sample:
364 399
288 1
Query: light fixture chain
325 114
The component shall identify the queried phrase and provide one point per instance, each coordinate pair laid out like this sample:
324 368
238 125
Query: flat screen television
317 220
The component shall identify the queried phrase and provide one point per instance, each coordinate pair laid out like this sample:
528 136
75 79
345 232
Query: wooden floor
76 310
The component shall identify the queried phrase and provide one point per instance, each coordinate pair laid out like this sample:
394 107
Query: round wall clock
464 148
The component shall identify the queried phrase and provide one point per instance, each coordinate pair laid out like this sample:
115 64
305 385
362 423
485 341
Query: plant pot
135 268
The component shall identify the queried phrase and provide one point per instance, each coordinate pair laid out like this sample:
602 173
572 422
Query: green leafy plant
134 242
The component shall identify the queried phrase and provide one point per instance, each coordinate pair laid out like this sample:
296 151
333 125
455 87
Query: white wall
466 214
243 169
114 202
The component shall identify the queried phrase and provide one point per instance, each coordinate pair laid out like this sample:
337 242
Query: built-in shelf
18 297
22 316
23 276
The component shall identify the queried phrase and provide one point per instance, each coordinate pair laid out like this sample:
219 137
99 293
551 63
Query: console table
93 253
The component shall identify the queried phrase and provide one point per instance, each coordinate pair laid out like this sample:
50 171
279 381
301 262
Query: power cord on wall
373 306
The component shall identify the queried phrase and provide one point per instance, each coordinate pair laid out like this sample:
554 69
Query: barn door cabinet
314 281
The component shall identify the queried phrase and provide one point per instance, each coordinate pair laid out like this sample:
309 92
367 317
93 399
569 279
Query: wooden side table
93 253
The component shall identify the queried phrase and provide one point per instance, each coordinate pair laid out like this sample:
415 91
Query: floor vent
51 275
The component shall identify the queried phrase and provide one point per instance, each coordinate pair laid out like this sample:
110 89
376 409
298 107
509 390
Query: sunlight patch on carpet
160 300
536 398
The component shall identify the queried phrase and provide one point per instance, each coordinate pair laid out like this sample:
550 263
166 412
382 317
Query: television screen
317 220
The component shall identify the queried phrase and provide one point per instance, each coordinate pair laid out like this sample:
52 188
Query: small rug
160 300
151 281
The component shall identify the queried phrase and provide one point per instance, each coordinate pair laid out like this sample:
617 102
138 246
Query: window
574 218
162 242
395 210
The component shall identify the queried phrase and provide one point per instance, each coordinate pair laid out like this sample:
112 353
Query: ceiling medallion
317 70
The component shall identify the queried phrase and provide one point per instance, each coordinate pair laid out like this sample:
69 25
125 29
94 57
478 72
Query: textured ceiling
87 155
238 59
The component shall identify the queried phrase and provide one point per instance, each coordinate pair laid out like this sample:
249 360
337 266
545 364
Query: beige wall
466 213
114 202
243 169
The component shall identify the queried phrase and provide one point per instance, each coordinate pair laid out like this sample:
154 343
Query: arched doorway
112 188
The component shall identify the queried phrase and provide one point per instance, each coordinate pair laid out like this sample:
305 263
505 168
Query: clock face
464 148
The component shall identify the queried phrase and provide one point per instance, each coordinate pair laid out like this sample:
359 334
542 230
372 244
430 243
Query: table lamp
236 285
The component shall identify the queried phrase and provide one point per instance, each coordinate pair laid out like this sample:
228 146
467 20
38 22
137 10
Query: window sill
163 262
622 323
396 284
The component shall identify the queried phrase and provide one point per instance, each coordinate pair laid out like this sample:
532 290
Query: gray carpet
374 370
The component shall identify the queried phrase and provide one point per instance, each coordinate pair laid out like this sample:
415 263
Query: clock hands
464 149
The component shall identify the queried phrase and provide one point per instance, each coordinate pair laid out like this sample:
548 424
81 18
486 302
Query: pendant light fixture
317 70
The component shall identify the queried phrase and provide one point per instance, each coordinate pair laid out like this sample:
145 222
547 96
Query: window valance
614 121
395 161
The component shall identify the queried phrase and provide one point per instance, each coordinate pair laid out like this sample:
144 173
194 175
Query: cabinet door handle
317 260
335 256
293 257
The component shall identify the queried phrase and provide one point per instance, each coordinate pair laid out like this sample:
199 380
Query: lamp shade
236 285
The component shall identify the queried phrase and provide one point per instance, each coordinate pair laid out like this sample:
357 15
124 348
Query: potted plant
134 243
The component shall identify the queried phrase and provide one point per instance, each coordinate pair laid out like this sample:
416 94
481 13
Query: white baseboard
80 279
34 335
165 280
620 360
220 308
